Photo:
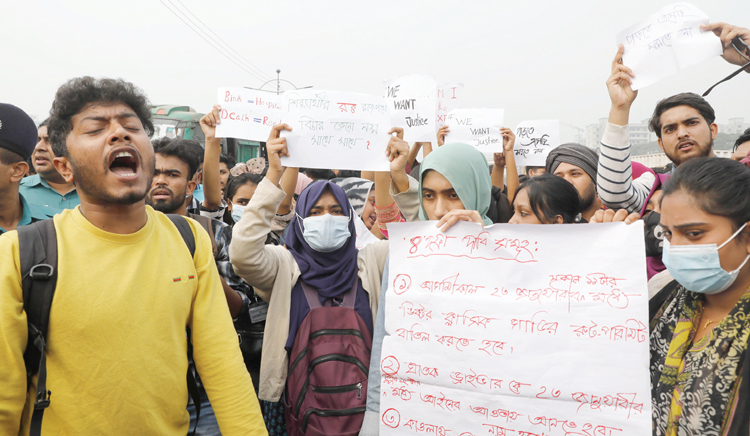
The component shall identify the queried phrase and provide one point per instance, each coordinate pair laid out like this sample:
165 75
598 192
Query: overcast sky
535 59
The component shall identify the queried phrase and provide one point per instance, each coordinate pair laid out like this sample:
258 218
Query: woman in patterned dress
700 323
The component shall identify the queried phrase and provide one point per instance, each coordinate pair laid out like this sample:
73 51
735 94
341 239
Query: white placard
534 140
449 96
667 42
336 130
413 105
477 127
516 330
247 113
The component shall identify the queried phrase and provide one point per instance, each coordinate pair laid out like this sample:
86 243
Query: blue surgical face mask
326 233
698 267
237 211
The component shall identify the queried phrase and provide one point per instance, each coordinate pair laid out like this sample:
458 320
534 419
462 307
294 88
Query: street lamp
278 81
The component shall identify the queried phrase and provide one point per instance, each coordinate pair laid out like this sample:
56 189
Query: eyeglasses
735 43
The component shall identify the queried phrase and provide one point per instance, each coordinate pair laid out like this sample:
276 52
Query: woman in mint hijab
454 178
454 185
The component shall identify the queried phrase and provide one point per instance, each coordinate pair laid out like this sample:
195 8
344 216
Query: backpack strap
311 295
38 252
206 223
185 231
187 235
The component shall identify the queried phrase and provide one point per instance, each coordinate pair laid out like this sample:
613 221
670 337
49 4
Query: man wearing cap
577 164
48 188
17 139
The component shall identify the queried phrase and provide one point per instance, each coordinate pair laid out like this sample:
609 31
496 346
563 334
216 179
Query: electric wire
220 49
229 48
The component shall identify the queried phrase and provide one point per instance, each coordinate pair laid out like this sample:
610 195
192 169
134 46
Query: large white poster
336 130
534 140
666 42
413 105
516 330
247 113
449 97
478 127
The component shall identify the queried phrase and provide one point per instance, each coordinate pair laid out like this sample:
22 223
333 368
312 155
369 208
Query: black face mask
654 234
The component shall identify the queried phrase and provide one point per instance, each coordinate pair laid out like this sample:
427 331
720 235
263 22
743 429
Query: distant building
735 127
638 132
593 134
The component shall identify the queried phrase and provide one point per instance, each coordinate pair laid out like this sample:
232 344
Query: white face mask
698 267
325 233
237 211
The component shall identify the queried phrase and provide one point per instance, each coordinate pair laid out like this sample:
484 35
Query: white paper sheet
247 113
412 101
449 96
478 127
516 328
337 130
534 140
667 42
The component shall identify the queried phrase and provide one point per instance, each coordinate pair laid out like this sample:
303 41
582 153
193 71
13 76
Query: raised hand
209 121
276 148
442 132
727 32
619 85
398 154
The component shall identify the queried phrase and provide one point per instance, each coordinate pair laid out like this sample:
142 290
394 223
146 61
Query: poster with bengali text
449 96
667 42
516 330
477 127
336 130
247 113
534 140
412 101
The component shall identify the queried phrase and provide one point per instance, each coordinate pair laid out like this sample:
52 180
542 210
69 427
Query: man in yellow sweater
127 288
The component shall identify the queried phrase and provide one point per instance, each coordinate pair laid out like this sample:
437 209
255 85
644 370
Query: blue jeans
207 425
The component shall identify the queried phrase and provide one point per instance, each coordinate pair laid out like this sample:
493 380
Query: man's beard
87 183
166 206
704 152
588 198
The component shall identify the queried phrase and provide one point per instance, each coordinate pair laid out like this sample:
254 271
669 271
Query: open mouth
685 146
123 163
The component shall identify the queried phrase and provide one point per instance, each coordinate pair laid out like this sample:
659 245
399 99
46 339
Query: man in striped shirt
683 123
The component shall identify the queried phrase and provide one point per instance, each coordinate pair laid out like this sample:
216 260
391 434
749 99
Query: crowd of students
283 271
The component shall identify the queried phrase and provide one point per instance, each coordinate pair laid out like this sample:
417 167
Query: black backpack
37 245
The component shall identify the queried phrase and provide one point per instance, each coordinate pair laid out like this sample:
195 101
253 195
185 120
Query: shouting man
127 288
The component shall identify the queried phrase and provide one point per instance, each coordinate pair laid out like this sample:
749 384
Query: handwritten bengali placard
335 129
449 96
478 127
412 101
534 140
247 113
516 330
667 42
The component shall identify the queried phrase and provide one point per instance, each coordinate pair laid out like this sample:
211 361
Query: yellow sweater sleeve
13 335
216 351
